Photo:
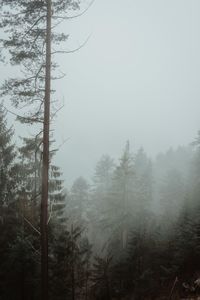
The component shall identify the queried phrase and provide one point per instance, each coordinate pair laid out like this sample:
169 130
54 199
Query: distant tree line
128 234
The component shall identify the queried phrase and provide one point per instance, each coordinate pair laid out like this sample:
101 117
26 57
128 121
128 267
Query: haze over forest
100 150
137 78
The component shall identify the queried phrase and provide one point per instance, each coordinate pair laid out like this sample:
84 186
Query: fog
137 78
109 209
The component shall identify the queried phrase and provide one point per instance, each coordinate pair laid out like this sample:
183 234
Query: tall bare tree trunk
45 162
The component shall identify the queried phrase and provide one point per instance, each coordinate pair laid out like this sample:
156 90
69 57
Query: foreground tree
29 41
14 246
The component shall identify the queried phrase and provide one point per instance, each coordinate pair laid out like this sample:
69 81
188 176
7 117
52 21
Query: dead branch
71 51
31 225
75 16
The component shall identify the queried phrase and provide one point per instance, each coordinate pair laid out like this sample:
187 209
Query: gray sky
138 78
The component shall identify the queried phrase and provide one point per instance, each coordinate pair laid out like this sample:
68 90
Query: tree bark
45 161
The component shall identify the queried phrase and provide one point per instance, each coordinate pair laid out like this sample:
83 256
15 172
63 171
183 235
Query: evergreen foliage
105 240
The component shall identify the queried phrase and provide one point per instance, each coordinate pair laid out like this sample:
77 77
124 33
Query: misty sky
138 78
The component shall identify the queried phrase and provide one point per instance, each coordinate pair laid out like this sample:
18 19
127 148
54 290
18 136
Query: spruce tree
102 278
79 200
11 216
8 166
121 199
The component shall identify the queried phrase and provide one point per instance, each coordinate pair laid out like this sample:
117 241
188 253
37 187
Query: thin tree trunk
73 279
45 161
108 289
86 283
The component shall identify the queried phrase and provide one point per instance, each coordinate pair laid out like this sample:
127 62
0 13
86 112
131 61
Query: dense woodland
130 232
125 234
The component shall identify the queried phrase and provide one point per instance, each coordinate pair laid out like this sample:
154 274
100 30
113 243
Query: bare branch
35 23
60 146
57 24
72 51
33 248
51 211
36 196
24 118
53 115
58 77
76 16
31 225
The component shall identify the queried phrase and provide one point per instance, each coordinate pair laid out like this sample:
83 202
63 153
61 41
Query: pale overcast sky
138 78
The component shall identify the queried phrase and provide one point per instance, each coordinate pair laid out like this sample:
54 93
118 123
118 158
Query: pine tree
29 41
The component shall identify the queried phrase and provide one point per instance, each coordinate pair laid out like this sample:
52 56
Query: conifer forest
82 224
